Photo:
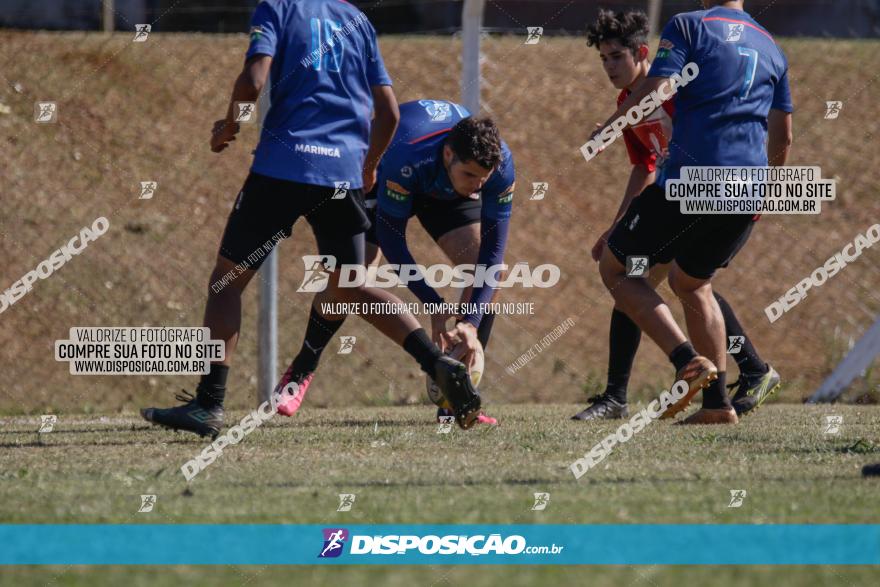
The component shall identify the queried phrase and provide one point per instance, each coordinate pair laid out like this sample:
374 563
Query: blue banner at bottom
255 544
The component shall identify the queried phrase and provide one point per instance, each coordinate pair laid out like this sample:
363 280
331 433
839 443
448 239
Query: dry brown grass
132 112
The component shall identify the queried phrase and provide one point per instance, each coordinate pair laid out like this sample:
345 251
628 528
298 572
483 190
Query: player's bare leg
203 414
623 341
223 308
638 299
706 327
648 310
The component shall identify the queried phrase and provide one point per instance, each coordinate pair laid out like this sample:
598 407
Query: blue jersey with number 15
325 60
721 115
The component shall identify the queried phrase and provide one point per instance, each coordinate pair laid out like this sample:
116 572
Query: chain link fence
129 113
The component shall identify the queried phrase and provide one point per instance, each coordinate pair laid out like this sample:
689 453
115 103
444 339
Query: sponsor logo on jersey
395 191
507 196
317 150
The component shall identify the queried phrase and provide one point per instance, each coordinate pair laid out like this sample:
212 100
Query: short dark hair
476 139
629 28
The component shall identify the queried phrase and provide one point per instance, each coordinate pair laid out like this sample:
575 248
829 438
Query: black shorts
267 208
436 216
441 216
370 201
700 244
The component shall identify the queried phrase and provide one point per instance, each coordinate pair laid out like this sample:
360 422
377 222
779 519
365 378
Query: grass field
131 112
90 470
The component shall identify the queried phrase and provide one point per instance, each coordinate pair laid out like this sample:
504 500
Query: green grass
91 470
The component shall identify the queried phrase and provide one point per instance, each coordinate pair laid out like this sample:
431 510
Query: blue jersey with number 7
721 115
325 60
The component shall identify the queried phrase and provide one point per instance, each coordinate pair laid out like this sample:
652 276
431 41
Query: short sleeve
673 51
377 75
395 186
265 26
782 95
497 194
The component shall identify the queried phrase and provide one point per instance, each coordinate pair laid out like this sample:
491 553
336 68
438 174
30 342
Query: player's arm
248 85
265 26
779 136
640 177
385 106
381 131
495 214
393 208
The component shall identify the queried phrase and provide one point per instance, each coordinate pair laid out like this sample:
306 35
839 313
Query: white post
654 7
852 366
108 17
471 26
267 323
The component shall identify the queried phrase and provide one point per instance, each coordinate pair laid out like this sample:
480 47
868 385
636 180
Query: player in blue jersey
455 174
327 76
735 112
622 41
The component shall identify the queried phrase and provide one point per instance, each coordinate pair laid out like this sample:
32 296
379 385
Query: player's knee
684 286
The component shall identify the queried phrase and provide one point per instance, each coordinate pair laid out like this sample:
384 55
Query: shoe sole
689 421
469 418
693 388
469 410
619 417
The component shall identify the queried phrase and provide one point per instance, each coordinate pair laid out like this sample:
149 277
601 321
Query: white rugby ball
476 373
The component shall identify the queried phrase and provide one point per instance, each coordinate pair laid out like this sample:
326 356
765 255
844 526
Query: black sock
747 358
212 387
319 332
682 355
623 342
484 330
715 396
420 347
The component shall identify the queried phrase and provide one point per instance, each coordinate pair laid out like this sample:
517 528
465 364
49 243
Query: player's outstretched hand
222 134
467 334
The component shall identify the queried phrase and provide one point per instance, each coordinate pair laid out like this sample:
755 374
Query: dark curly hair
476 139
629 28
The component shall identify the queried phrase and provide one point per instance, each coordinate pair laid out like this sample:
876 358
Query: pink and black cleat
292 391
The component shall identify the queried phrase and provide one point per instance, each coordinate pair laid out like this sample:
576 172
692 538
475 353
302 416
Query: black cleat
454 382
753 390
604 408
191 416
871 470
